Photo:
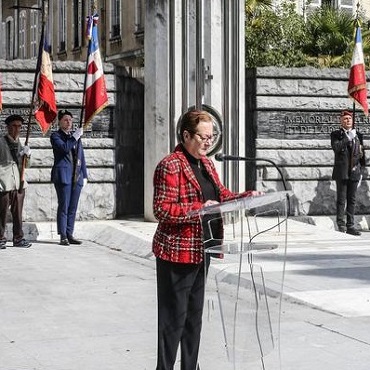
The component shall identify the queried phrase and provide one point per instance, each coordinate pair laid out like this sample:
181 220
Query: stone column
234 92
194 50
156 124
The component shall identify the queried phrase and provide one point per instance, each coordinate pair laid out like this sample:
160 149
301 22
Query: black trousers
346 202
15 200
180 295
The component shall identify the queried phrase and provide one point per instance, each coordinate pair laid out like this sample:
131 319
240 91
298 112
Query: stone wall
98 198
289 116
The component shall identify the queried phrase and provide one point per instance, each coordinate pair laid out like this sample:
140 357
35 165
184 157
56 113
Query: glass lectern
241 323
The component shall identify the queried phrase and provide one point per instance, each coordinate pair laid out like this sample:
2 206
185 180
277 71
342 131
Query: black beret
64 112
12 118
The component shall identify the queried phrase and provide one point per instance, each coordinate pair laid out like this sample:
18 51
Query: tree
281 37
254 7
329 37
275 37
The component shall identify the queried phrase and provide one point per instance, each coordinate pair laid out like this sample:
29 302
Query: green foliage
281 37
275 37
253 7
329 37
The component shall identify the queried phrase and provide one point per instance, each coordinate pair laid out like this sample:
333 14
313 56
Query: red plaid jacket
178 237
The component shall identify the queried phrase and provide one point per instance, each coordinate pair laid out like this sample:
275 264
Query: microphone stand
222 157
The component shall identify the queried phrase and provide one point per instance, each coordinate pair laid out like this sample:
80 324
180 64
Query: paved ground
93 307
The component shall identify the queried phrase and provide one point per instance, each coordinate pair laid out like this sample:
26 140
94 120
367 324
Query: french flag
96 98
45 105
357 88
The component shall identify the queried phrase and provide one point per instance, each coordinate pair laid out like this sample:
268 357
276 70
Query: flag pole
357 83
356 22
353 115
38 66
90 24
75 158
85 82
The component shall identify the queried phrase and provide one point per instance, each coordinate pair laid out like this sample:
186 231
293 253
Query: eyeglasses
204 139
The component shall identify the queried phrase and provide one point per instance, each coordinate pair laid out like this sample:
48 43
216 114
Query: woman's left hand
210 203
256 193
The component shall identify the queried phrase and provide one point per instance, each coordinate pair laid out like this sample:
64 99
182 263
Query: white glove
26 150
351 134
78 133
85 181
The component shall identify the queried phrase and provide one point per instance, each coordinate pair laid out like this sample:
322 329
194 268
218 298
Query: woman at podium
184 181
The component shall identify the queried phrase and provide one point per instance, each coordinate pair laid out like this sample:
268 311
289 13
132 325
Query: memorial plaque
304 125
100 127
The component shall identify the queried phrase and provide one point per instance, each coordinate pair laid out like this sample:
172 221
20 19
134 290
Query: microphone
221 157
226 157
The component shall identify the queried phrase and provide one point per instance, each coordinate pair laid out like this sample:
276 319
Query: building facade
121 29
304 7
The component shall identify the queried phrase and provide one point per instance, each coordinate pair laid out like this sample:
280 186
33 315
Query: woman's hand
210 203
256 193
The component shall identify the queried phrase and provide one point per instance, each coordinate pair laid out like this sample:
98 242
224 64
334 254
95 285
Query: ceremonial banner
357 88
96 98
45 106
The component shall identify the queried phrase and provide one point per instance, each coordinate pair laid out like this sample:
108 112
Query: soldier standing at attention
349 163
68 175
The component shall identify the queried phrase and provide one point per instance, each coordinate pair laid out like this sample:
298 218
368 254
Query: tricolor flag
357 88
45 106
96 98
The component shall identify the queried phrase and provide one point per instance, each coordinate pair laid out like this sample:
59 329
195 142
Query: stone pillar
156 124
233 92
194 55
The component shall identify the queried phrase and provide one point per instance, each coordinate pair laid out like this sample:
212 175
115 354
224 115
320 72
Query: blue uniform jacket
64 147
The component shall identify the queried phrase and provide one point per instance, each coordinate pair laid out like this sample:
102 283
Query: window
77 23
139 21
34 34
2 40
22 34
62 35
9 43
346 5
115 19
314 4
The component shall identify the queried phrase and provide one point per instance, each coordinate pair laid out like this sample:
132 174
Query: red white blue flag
357 88
96 98
45 105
